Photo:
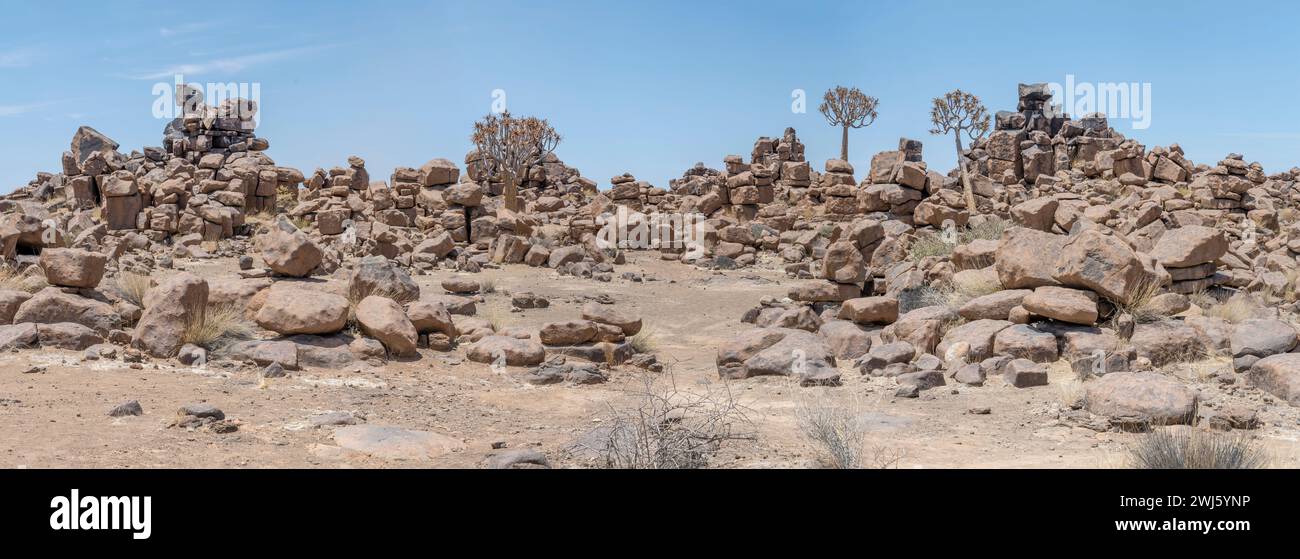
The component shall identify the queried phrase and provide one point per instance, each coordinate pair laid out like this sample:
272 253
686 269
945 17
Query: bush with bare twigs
1233 308
1194 449
664 426
838 427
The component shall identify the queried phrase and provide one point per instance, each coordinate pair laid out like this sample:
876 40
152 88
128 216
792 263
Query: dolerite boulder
171 308
846 339
52 305
288 251
1026 342
870 310
376 275
977 334
994 306
1255 339
71 267
1024 258
1102 263
67 335
1190 245
1064 304
1278 375
431 317
1145 397
1168 341
569 332
10 300
777 351
507 350
607 314
383 319
290 311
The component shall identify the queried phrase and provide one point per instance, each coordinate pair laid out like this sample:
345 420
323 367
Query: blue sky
642 87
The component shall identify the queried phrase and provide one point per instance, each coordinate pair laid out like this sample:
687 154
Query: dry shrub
222 325
488 285
133 287
645 341
1235 308
988 230
30 280
838 427
926 245
1139 305
665 427
1195 449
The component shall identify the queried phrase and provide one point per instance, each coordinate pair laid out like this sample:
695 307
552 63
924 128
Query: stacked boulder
1190 255
601 336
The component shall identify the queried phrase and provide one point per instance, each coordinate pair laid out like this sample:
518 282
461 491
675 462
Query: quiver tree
509 146
848 108
958 112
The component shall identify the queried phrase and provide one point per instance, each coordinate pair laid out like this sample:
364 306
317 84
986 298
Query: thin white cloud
229 65
185 28
15 110
17 58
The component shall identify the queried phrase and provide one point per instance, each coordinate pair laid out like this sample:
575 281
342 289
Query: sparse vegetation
133 287
1139 305
926 245
29 280
1194 449
645 341
221 325
666 427
836 428
1234 308
488 285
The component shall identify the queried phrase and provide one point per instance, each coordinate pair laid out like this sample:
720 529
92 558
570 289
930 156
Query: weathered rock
1146 397
289 311
1278 375
846 339
569 332
1190 245
291 254
869 310
994 306
507 350
71 267
51 305
395 443
383 319
607 314
1021 261
978 334
1168 341
376 275
431 316
1064 304
67 335
172 307
1102 263
1026 342
1262 338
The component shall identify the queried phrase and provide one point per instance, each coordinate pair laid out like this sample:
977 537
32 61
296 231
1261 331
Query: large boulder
173 306
1278 375
1190 245
777 351
1026 342
289 311
72 267
67 335
10 300
1144 397
507 350
1102 263
1023 261
568 332
383 319
607 314
431 317
978 334
844 263
846 339
869 310
52 305
1262 338
289 252
1064 304
376 275
1168 341
994 306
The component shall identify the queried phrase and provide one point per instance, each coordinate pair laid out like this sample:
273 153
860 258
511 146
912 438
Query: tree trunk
965 177
844 144
512 193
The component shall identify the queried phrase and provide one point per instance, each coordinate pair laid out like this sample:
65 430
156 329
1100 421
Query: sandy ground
58 418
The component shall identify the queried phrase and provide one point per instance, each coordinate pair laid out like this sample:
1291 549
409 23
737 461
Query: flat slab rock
395 443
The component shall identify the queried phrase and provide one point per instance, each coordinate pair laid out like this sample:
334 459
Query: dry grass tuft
133 287
1194 449
30 280
1139 306
221 326
645 341
1235 308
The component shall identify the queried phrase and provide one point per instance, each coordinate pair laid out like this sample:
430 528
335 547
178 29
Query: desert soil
58 418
